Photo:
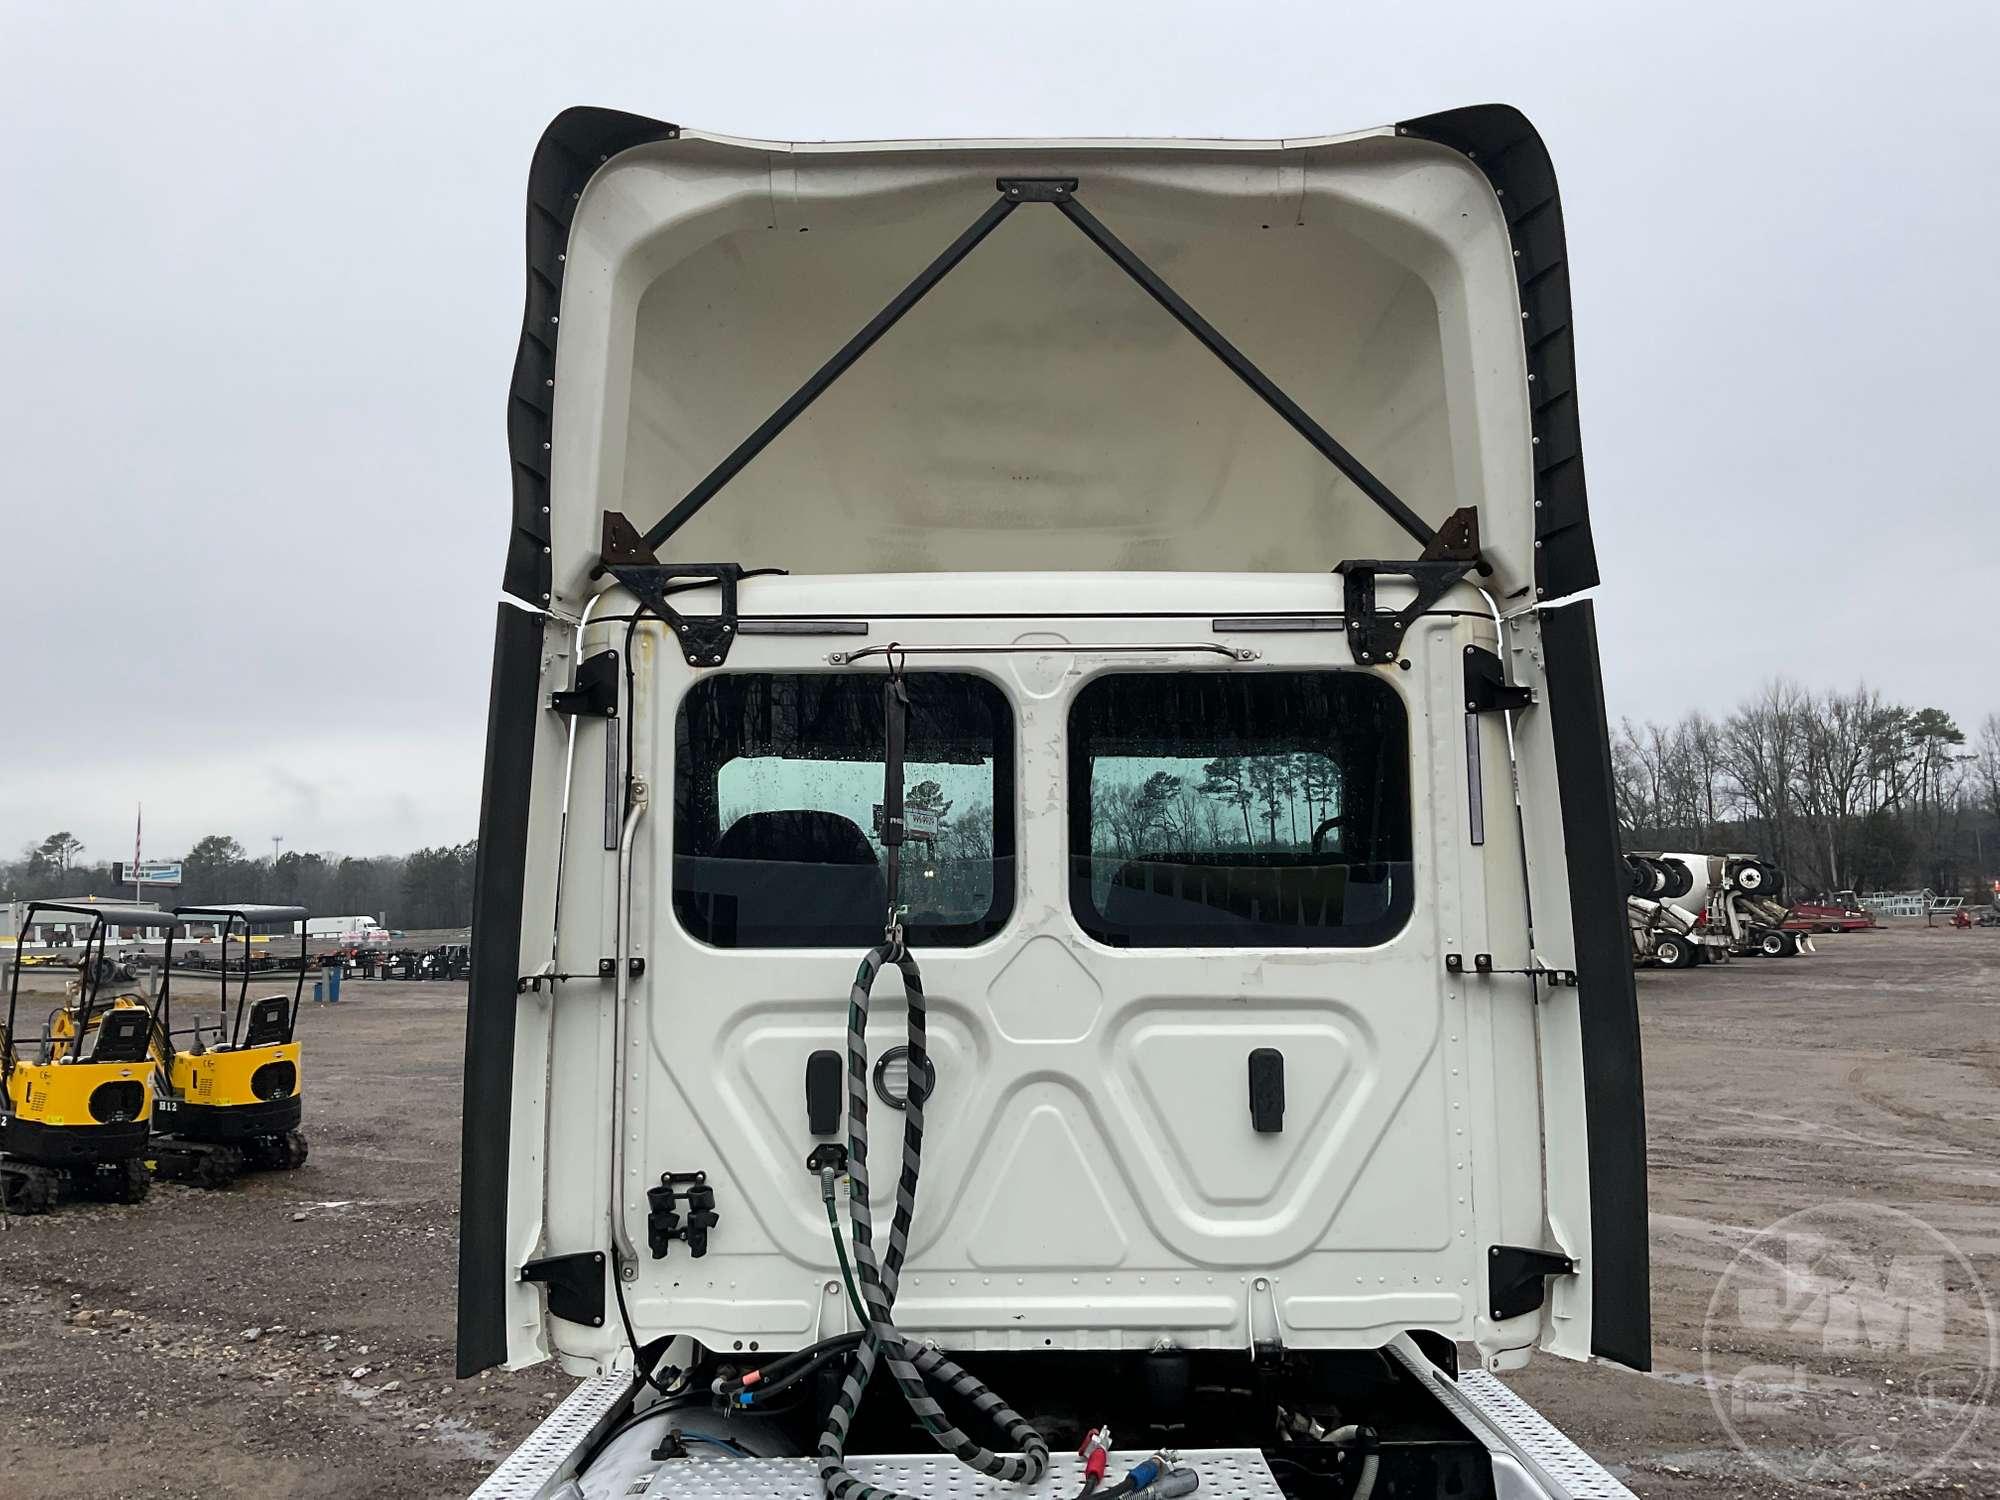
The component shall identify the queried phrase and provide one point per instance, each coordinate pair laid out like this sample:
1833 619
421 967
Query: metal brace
532 983
1482 964
704 639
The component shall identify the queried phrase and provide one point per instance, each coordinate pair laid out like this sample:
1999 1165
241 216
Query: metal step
540 1464
1532 1460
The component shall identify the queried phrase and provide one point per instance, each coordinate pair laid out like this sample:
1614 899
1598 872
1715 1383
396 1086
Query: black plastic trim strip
483 1272
576 144
1498 139
1621 1323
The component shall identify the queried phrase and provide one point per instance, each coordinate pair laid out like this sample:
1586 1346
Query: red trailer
1827 916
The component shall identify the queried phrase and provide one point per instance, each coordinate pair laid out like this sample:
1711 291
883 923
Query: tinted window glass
1240 809
777 796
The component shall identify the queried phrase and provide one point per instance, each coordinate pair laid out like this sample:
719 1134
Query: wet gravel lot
292 1336
289 1336
1867 1075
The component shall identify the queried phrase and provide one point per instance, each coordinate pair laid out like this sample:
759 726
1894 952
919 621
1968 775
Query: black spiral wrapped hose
913 1366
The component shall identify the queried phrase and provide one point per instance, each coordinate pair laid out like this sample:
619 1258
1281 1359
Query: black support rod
1240 364
829 372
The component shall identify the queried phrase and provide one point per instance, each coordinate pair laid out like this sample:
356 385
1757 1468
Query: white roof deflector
1233 356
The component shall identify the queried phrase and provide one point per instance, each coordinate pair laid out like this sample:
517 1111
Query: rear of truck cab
1280 988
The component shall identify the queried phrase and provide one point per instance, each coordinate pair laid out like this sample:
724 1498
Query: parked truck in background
326 927
1663 932
1739 899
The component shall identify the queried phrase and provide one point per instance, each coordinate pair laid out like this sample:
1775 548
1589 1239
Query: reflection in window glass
777 810
1253 809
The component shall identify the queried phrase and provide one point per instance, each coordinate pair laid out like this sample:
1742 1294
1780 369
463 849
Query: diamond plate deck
1226 1474
1544 1462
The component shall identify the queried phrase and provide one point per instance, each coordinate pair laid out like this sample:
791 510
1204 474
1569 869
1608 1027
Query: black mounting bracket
595 695
664 1224
1514 1278
1487 690
1451 554
575 1283
1036 189
704 639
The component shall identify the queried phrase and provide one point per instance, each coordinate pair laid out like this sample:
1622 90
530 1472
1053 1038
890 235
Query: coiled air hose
913 1366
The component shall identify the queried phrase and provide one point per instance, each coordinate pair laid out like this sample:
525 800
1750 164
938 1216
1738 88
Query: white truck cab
1126 587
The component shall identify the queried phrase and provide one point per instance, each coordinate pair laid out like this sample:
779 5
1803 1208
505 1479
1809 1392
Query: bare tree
1838 741
1986 764
1763 753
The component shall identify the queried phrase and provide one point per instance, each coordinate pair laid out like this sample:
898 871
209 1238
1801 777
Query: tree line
1278 800
428 888
1844 790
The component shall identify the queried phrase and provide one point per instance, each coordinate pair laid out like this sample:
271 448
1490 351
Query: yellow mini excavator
77 1098
227 1094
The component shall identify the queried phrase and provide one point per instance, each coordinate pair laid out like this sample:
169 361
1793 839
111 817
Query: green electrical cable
840 1249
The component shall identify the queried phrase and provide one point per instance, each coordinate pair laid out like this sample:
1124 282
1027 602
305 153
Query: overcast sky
260 285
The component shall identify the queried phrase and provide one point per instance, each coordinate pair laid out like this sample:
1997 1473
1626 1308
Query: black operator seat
786 876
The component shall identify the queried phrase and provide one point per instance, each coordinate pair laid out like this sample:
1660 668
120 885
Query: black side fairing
1621 1324
576 143
1498 139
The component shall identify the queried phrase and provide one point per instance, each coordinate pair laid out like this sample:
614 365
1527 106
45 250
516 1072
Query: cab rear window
777 806
1239 809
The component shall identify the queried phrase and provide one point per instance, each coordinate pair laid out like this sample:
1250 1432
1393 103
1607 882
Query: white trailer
337 926
1231 1102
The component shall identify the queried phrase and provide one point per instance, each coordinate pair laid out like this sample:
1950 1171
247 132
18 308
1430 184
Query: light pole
276 840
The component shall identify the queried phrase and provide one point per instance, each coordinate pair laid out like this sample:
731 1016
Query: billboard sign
148 872
919 823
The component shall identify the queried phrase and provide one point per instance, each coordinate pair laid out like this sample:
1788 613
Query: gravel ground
293 1336
1863 1074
